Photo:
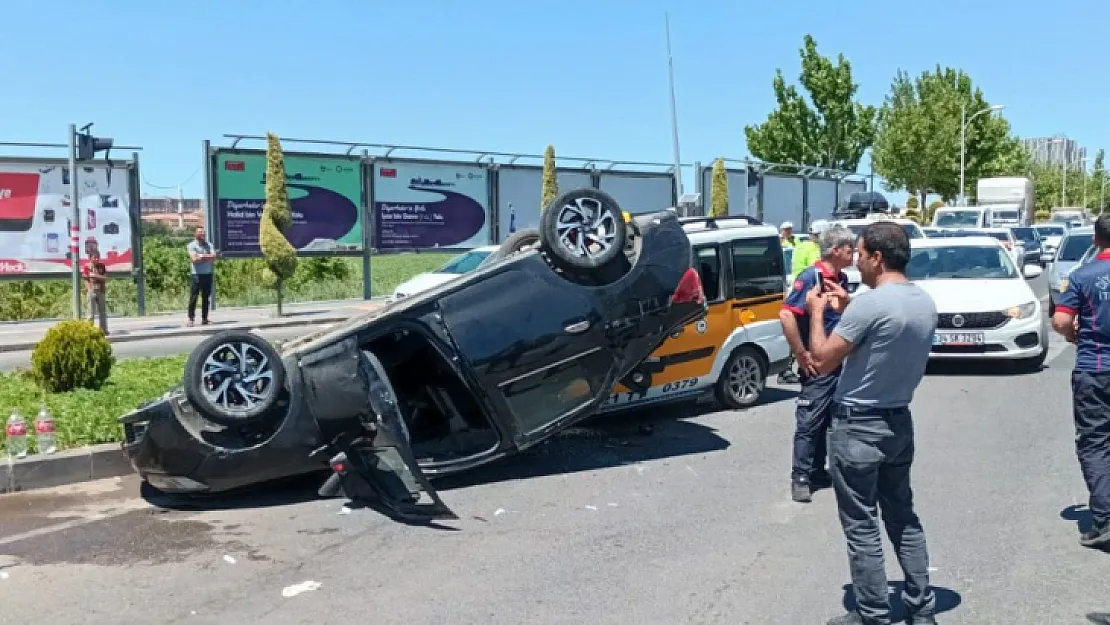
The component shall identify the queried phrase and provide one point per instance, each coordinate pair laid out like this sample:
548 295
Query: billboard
325 197
420 205
782 199
518 195
821 198
35 219
640 192
742 199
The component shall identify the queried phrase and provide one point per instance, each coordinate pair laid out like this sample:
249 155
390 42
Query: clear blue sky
512 75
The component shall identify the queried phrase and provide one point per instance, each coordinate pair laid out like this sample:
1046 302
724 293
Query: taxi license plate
958 338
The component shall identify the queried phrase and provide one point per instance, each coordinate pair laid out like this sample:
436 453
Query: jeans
98 309
1091 407
202 285
871 452
811 423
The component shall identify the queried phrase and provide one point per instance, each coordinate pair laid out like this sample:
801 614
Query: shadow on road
285 492
947 600
1081 514
610 441
957 368
1099 618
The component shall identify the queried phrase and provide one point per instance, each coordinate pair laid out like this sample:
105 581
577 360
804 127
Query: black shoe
820 479
851 618
1097 537
788 377
800 491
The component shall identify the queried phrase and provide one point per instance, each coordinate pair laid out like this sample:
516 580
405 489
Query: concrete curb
64 467
140 335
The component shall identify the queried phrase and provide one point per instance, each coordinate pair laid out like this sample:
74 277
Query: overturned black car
481 367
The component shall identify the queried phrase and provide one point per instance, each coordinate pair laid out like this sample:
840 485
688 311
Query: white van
960 217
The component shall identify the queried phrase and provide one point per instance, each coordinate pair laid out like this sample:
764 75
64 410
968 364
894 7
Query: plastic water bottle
16 432
45 441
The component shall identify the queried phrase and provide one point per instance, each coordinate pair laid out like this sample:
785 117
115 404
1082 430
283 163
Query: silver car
1073 246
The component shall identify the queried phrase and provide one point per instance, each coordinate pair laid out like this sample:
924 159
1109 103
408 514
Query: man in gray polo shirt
202 258
883 340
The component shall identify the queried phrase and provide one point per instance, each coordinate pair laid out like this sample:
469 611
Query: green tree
930 210
550 180
917 147
912 203
718 190
833 132
281 256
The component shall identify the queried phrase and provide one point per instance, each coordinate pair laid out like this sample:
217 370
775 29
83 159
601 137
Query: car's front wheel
1035 363
742 380
583 231
234 377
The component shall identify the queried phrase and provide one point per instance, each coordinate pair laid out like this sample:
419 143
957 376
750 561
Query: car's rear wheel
517 242
742 380
234 377
583 230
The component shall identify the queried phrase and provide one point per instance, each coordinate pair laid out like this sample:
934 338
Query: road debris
296 589
229 559
499 512
594 508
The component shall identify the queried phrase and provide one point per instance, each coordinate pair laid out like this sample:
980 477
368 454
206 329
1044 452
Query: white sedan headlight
1024 311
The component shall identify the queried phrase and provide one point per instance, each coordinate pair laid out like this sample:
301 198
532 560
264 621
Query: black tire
516 242
1051 306
198 385
609 215
751 361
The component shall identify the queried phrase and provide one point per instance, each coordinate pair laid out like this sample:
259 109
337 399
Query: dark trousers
871 452
1091 407
202 286
812 414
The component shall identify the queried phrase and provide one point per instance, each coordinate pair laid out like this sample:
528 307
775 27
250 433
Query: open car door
376 463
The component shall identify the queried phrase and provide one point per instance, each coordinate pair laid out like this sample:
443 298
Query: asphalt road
163 346
688 523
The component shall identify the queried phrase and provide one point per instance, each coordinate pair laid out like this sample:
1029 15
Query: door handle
578 328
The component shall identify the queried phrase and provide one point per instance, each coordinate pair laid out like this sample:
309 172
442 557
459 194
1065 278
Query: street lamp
964 122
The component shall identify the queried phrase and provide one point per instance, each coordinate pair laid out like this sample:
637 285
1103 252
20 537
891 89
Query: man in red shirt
1082 316
96 279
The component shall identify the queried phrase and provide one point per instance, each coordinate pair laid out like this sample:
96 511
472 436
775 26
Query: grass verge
88 417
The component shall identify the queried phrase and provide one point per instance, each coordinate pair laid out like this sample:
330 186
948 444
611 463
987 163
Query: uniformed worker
807 252
814 404
883 340
786 235
1082 316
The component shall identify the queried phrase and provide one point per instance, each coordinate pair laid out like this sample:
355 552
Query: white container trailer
1008 201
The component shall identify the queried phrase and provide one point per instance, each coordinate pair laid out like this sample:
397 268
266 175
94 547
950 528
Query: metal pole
367 209
674 109
137 252
1064 175
963 149
75 222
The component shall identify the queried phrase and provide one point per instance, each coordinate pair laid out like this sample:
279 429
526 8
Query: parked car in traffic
480 367
1073 246
463 263
1050 234
985 306
1030 243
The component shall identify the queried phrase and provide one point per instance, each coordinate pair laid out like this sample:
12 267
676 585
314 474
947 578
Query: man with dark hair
1082 316
883 341
814 404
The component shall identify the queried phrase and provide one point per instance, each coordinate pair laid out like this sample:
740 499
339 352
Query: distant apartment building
180 213
1056 151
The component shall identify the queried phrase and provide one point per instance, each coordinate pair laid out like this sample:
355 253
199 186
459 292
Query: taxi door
757 289
681 366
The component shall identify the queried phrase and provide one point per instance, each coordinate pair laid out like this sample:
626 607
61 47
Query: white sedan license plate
958 338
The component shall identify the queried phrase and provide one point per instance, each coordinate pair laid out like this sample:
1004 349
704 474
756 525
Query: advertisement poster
35 215
427 205
325 197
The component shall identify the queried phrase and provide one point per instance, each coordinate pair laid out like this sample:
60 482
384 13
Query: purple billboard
427 205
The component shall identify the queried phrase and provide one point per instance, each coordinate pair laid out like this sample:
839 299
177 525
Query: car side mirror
1032 271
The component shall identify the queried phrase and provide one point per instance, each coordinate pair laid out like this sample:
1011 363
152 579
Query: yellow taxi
730 353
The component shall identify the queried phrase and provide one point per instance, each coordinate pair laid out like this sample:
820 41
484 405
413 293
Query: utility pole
674 109
74 222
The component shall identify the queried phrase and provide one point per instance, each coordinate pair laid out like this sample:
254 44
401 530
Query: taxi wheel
742 380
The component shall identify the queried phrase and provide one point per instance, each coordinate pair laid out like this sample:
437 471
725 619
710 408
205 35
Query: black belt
841 410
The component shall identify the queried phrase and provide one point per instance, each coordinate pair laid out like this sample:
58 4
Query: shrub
281 256
73 354
911 203
718 190
913 215
1042 215
550 187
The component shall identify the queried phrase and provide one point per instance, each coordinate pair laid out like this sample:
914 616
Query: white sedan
985 308
462 264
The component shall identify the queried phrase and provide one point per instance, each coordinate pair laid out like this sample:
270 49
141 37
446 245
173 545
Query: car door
757 288
352 399
537 343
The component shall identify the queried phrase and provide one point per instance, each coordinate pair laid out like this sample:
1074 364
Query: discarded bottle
16 432
45 441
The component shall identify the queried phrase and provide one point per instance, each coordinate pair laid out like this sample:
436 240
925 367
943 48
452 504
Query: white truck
1006 201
